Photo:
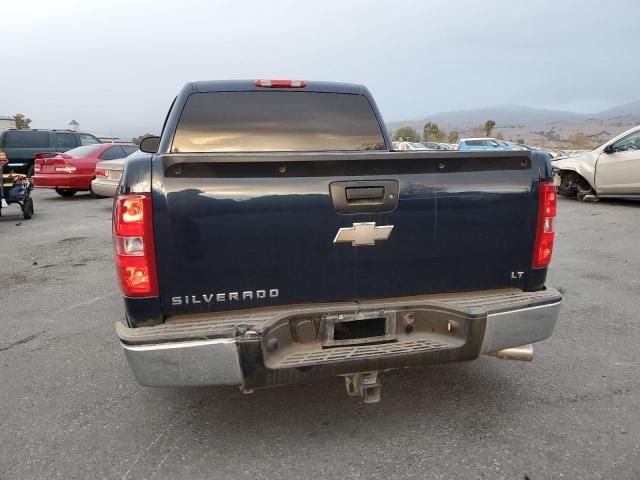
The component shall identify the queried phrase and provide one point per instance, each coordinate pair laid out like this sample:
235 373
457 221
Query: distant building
73 125
6 122
107 138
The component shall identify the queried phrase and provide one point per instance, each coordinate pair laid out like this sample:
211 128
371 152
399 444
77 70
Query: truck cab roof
243 85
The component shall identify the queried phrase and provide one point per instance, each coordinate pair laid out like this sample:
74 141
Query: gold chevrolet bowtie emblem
363 234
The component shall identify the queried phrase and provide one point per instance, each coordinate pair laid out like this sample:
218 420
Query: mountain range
535 125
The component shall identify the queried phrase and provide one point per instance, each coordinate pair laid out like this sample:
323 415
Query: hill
535 125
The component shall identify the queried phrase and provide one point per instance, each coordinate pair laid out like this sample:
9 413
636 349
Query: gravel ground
69 407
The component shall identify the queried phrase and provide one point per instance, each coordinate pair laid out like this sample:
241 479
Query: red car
72 171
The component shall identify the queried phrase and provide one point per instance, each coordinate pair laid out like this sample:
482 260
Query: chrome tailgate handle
365 194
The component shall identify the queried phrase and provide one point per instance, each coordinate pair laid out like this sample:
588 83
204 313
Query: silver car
108 174
408 146
612 169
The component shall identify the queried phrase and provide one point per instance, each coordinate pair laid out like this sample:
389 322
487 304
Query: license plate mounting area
359 328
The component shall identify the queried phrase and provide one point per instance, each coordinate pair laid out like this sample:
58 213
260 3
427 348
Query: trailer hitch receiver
366 385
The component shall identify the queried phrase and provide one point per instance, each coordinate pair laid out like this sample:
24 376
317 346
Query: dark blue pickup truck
271 236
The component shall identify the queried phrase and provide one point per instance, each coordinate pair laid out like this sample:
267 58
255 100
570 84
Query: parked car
466 144
553 153
436 146
72 171
612 169
21 145
515 146
332 255
409 146
108 174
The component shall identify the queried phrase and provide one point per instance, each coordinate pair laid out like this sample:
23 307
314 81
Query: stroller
15 188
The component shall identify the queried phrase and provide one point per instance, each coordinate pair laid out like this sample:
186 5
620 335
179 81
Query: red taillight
39 162
544 233
280 83
133 245
101 173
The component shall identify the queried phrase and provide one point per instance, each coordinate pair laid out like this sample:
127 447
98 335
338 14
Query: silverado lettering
223 297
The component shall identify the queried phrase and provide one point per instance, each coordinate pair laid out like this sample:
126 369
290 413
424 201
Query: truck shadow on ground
465 397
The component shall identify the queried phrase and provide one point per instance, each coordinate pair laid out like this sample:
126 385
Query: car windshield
84 150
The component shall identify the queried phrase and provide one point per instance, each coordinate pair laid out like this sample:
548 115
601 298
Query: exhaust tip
521 354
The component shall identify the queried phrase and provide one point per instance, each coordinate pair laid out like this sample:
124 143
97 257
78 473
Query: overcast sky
114 65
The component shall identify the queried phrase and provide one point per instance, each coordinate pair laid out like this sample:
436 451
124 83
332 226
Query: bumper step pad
302 359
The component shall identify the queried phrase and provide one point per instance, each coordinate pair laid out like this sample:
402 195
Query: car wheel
27 208
65 192
567 186
572 185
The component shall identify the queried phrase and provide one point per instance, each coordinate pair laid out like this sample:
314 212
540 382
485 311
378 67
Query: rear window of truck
276 122
26 139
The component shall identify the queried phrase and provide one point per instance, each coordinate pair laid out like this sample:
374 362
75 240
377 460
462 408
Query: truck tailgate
240 231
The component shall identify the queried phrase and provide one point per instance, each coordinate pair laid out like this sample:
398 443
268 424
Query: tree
520 140
477 131
406 134
499 136
488 127
454 136
21 121
579 141
137 140
432 133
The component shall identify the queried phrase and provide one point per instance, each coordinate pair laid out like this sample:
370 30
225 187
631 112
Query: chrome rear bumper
234 348
519 327
105 188
199 362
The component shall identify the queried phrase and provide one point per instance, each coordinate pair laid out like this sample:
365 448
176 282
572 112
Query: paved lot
69 407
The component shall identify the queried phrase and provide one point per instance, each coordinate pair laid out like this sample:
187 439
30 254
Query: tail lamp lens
134 246
545 234
133 211
280 83
131 246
